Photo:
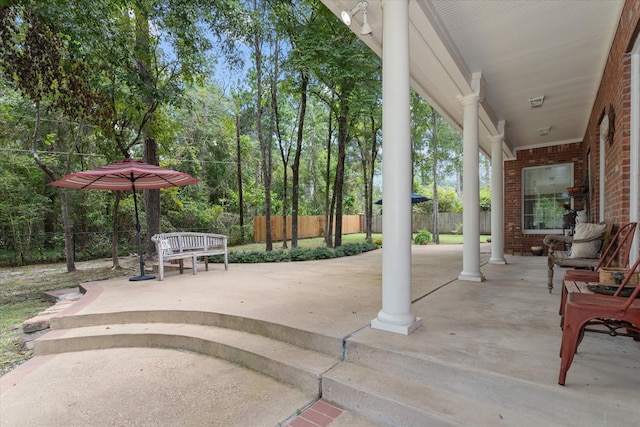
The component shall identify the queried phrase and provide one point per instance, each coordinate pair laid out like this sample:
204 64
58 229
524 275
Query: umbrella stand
142 276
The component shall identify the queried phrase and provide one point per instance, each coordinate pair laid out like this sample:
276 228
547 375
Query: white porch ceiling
523 48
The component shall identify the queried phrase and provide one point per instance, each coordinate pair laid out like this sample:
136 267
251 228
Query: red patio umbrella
127 175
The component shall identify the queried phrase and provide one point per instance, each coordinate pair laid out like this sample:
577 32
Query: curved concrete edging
284 362
304 339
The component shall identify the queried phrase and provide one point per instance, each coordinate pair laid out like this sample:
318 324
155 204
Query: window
545 192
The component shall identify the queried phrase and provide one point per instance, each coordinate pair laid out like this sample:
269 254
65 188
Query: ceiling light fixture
348 15
544 131
536 102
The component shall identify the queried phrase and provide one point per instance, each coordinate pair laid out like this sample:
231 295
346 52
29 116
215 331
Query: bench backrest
187 241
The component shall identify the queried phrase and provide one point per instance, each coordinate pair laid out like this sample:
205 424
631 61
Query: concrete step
284 362
516 401
62 294
389 400
331 346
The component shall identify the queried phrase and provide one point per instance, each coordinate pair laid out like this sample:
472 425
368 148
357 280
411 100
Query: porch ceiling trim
522 48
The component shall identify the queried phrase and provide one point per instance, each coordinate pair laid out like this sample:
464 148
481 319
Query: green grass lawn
315 242
445 239
456 239
21 297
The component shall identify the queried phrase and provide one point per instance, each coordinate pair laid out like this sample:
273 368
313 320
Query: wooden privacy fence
313 226
308 226
447 222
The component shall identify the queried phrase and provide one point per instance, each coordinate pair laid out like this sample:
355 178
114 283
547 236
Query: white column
396 315
471 187
497 200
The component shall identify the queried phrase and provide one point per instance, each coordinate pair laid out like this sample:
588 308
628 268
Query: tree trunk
239 163
265 148
434 172
295 167
367 202
373 154
327 207
365 164
114 235
68 237
50 218
64 206
339 181
151 198
285 147
142 54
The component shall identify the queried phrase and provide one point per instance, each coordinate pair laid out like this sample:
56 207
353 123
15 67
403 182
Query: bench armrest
551 240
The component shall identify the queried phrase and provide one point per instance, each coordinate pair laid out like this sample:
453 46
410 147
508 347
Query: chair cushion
587 249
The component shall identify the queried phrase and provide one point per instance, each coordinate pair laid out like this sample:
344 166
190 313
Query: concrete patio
258 344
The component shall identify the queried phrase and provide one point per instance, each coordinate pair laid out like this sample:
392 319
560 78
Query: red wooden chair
614 313
618 248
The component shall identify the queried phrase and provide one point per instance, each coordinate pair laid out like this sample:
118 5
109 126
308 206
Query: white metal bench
184 245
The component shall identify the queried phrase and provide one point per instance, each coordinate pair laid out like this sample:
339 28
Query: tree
304 84
313 91
284 143
265 145
369 148
237 109
342 64
297 21
102 64
434 172
436 149
21 209
329 202
37 59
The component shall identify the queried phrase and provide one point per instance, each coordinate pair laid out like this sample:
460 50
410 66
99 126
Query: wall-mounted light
536 102
544 131
348 15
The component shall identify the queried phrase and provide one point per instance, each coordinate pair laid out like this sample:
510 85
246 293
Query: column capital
477 86
472 99
496 139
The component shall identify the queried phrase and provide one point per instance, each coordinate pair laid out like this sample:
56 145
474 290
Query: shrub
322 253
240 235
423 237
300 254
297 254
458 229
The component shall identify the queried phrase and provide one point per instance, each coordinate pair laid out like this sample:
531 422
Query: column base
497 260
471 277
398 329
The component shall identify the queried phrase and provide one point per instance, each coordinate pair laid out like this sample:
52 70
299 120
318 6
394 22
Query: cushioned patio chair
585 251
613 315
615 255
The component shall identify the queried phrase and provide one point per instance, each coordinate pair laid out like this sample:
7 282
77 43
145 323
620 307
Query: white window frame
524 214
634 196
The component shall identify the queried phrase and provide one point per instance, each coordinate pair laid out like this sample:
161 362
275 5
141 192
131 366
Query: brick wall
565 153
613 94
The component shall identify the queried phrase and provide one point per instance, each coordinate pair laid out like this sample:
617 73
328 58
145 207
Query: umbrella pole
142 276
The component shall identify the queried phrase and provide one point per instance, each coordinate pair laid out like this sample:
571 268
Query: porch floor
491 346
